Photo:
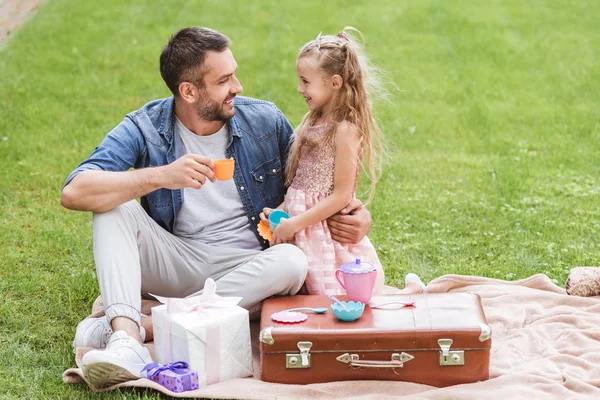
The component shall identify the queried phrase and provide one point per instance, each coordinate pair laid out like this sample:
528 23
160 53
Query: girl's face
316 89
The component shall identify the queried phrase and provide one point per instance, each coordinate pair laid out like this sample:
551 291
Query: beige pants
135 255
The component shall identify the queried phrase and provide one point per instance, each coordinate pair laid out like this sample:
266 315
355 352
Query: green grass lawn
493 141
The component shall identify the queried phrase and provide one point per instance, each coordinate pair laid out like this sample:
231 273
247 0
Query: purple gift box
176 377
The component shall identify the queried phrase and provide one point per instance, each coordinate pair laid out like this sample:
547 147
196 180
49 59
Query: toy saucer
288 317
264 230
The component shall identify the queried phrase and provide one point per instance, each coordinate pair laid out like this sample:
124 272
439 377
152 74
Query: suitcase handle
397 361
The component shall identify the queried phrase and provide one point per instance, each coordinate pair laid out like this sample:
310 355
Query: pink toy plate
289 317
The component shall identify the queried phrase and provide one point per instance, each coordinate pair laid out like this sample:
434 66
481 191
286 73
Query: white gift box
209 332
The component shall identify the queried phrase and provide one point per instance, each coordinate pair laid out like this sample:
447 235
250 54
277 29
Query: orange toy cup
224 168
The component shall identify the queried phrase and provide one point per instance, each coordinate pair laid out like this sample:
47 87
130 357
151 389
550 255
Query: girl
324 163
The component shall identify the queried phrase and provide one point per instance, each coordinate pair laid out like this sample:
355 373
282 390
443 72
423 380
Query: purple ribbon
154 369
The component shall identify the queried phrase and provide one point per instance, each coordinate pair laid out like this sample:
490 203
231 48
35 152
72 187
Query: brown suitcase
443 340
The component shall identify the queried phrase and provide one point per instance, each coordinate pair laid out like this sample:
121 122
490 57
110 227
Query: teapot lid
357 267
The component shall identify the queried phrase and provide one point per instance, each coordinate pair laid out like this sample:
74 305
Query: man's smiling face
220 87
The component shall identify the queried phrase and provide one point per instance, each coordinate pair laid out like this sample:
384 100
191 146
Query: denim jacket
259 141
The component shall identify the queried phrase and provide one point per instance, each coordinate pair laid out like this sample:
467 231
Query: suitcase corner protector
485 332
266 335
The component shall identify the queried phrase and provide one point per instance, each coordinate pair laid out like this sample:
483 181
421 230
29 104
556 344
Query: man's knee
125 211
293 261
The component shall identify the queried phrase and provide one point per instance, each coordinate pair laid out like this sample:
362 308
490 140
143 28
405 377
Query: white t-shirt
213 214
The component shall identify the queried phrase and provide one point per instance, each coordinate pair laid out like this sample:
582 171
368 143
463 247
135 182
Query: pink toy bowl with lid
358 280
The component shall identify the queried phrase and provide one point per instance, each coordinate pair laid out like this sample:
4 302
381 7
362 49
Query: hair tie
343 35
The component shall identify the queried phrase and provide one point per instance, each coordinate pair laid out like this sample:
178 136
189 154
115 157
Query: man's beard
210 110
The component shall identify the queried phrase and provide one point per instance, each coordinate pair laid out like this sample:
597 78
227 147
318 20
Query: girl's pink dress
312 183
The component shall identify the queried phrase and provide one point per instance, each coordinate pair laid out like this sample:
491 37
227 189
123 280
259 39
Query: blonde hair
342 55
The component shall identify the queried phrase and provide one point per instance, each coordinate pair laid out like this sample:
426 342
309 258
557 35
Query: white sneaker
122 361
414 278
95 332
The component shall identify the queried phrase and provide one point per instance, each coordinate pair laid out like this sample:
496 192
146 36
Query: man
188 227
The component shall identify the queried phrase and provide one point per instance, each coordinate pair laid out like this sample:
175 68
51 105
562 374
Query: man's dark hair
182 59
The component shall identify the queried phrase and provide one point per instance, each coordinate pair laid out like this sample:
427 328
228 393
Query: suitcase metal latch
301 360
450 357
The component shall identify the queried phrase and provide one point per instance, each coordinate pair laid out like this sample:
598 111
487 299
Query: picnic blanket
545 345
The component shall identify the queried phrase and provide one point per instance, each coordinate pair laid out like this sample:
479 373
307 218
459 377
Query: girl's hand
285 231
264 216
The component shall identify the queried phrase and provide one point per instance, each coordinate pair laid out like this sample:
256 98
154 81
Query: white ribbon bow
208 299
